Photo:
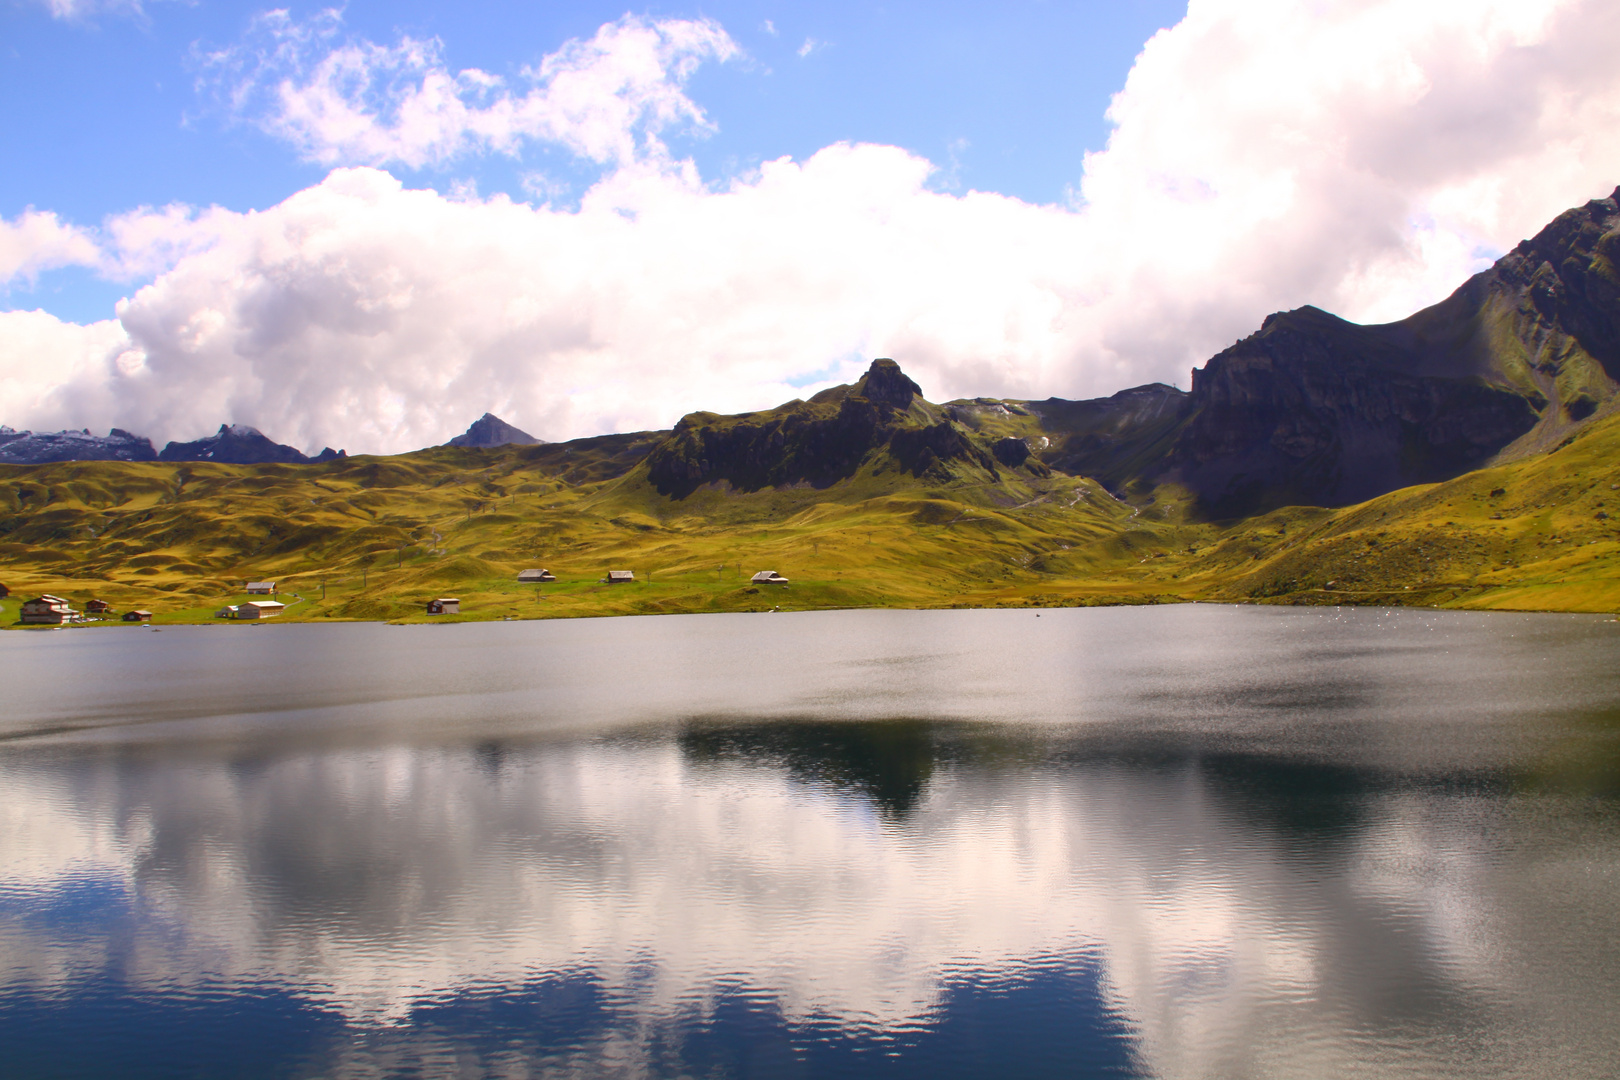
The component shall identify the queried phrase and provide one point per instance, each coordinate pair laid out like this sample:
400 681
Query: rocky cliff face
489 431
41 447
1313 409
238 444
1316 410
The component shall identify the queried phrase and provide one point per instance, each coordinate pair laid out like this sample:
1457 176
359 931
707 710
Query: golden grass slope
375 538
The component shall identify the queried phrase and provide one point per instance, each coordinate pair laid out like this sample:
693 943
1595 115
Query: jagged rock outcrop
489 431
817 442
239 444
41 447
885 384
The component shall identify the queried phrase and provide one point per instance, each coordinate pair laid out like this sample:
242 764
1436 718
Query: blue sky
365 228
105 114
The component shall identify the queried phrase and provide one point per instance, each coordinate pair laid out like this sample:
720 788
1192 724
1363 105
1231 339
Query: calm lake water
1190 841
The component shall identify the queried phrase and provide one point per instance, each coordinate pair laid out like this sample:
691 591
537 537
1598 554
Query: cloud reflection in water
1232 896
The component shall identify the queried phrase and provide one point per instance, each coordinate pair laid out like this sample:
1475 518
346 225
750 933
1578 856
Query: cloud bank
1362 156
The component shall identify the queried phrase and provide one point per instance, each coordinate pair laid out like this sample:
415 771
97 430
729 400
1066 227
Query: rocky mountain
1313 409
880 423
40 447
238 444
490 430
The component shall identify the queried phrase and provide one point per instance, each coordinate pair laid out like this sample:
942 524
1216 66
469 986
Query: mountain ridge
1310 409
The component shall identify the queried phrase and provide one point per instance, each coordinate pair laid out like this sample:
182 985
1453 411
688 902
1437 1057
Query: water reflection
1264 879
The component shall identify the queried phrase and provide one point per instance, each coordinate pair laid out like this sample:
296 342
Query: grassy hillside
374 538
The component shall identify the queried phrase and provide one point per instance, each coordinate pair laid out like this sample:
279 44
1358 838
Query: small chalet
137 616
47 610
97 607
227 612
533 577
769 577
261 588
260 609
444 605
621 577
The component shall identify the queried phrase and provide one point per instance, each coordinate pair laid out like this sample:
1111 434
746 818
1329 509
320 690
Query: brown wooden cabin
47 610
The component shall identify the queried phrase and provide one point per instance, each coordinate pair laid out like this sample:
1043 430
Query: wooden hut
137 616
444 605
47 610
260 609
620 577
769 577
97 607
227 612
261 588
535 577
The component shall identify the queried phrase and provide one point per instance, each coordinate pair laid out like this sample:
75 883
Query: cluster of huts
50 610
449 605
254 609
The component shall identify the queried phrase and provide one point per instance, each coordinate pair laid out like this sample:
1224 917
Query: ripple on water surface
1194 841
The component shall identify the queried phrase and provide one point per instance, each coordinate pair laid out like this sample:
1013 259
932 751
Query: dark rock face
490 430
1011 452
885 384
817 442
41 447
1316 410
238 444
1313 409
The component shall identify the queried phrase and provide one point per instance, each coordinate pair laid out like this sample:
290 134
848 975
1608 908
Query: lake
1181 841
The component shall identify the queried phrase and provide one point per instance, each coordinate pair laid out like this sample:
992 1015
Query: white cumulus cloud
354 101
37 240
1361 155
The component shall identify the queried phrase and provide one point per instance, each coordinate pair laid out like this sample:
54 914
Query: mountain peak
239 444
490 430
884 382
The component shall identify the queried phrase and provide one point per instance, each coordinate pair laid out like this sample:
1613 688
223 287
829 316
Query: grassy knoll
374 538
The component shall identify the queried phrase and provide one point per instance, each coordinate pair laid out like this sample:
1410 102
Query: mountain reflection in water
1168 842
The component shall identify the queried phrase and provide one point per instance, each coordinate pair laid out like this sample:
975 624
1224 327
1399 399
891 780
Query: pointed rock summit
884 382
490 430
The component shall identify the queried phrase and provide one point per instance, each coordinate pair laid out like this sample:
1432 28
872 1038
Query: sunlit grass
377 538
